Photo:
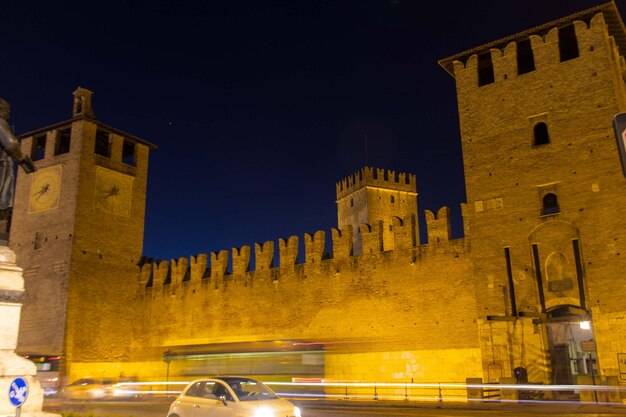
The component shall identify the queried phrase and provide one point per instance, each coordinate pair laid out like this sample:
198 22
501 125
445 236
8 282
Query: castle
535 283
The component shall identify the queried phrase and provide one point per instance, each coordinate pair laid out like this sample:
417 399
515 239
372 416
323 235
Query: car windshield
248 389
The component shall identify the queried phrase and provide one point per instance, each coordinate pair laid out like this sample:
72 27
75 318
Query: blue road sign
18 391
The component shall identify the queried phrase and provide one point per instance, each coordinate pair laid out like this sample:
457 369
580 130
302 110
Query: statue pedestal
12 365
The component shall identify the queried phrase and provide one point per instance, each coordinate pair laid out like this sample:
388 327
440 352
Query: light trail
391 391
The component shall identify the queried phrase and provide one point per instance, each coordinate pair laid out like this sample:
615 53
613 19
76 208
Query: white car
230 397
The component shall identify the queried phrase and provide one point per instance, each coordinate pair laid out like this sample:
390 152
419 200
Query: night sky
259 107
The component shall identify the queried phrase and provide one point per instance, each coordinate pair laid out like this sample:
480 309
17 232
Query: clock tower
77 230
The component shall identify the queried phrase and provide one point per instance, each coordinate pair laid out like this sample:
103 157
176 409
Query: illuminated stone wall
401 305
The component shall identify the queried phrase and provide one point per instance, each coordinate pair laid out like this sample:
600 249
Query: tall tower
545 194
77 229
373 195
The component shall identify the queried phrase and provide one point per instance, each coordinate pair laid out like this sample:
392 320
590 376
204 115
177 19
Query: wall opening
568 44
103 143
62 144
485 69
572 348
550 205
540 134
38 240
168 276
525 57
38 151
128 153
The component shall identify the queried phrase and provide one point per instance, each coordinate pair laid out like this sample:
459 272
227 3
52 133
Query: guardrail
372 391
388 391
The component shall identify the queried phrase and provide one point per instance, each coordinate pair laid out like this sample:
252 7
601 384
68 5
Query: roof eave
107 127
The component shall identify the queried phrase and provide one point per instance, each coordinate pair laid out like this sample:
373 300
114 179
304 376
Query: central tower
374 195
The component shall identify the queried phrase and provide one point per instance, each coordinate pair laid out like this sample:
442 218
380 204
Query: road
356 409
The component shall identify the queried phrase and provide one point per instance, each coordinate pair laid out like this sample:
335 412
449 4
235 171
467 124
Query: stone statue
9 152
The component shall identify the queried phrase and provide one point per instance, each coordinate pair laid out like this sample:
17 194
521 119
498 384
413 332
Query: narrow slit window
128 153
38 240
393 199
485 69
103 143
540 134
38 151
550 204
525 57
568 44
63 141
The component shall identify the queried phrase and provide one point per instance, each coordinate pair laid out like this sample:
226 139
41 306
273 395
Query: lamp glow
263 412
585 325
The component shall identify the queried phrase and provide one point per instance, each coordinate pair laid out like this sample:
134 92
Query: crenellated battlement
376 177
540 48
214 268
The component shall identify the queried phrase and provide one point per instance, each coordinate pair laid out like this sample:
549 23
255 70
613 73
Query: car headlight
263 412
297 412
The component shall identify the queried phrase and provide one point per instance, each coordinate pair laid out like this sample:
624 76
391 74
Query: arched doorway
572 345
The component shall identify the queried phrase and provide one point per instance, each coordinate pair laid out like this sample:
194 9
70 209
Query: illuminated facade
543 248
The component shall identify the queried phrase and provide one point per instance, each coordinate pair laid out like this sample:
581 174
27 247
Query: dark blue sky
259 107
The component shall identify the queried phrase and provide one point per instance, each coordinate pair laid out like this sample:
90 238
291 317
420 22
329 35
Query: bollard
509 394
612 395
475 393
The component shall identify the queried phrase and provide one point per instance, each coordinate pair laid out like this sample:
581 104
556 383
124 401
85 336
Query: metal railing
389 391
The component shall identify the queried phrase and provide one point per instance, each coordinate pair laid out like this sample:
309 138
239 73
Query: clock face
45 189
113 191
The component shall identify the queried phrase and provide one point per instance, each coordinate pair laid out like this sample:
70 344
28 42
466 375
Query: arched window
540 134
550 204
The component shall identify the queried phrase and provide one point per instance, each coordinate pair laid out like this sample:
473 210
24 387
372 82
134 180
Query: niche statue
9 152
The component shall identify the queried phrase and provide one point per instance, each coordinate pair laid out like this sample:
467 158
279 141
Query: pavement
525 407
522 408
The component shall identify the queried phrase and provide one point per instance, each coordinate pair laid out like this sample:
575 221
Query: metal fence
387 391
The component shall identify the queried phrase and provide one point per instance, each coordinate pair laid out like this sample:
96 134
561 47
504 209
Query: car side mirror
223 400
